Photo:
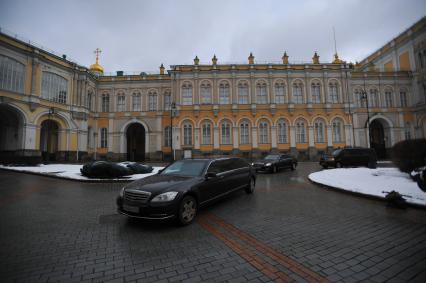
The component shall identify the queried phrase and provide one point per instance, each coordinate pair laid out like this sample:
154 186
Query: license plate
130 208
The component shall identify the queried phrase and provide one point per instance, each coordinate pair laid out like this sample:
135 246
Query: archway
377 138
135 135
11 132
49 140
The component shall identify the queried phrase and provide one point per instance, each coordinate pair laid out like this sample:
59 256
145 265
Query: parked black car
350 157
182 187
274 162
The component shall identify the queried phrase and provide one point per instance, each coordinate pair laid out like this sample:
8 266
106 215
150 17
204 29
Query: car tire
188 208
325 166
293 166
338 165
251 186
372 165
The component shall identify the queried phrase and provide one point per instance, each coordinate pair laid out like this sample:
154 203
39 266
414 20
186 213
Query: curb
339 190
70 179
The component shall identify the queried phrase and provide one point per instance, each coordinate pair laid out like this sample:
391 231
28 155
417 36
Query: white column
311 135
329 136
110 135
274 136
216 137
235 139
30 134
292 136
196 138
254 136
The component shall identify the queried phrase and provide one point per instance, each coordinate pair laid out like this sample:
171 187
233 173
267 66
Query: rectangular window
316 94
403 98
206 95
319 133
263 133
152 102
54 87
206 134
104 137
388 99
279 94
167 137
297 94
224 95
136 103
187 95
121 103
105 103
226 134
167 102
261 94
334 98
244 133
282 133
243 94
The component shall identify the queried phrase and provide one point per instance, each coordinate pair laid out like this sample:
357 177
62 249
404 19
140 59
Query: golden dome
96 68
337 60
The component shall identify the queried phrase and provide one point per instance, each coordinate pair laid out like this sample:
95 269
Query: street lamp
364 96
172 109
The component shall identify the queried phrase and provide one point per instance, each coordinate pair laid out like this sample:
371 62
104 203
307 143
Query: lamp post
172 109
364 96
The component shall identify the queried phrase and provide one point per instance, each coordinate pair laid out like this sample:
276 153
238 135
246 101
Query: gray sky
140 35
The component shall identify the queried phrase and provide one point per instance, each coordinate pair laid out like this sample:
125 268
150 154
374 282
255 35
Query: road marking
249 241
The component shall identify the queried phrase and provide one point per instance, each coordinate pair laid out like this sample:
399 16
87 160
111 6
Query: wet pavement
288 230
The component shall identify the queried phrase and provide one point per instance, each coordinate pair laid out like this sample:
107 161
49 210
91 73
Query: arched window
224 97
12 74
136 101
243 93
280 93
54 87
167 100
333 92
225 130
152 101
104 137
206 133
187 93
244 132
388 98
300 131
373 99
261 93
167 136
403 98
282 131
263 132
187 134
316 92
121 102
298 93
337 126
105 102
206 93
319 128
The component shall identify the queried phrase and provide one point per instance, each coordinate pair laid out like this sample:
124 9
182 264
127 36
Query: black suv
350 157
181 188
274 162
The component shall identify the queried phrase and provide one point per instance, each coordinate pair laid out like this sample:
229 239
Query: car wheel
251 186
372 165
293 166
274 169
338 165
325 166
187 210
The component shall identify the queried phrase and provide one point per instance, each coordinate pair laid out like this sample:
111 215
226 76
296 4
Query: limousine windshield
191 168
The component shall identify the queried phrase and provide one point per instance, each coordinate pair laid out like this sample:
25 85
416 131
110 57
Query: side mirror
210 175
159 171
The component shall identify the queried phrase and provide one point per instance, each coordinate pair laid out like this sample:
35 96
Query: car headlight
252 164
122 192
169 196
268 164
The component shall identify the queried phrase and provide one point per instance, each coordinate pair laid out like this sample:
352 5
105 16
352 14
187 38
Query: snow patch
72 171
373 182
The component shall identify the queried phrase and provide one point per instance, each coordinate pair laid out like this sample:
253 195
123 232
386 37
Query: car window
285 156
218 166
186 168
272 156
337 152
239 163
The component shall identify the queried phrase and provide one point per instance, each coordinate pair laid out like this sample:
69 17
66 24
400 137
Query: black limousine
181 188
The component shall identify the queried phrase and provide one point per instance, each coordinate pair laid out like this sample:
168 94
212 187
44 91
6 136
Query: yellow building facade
53 109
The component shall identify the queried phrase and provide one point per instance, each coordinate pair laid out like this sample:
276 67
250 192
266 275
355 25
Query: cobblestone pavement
289 230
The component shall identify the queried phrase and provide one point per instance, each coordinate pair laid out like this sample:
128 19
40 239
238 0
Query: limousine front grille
137 196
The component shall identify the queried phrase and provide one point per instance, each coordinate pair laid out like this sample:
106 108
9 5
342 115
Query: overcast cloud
140 35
